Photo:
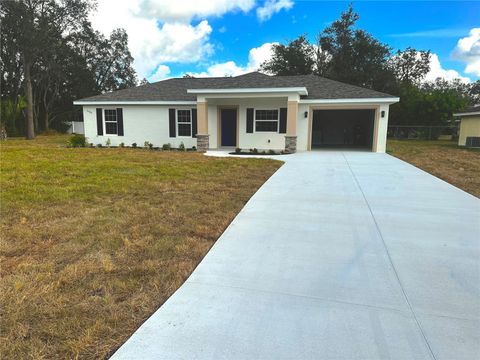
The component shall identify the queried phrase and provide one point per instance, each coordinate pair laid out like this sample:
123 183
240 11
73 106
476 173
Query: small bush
194 148
254 151
108 142
134 145
166 147
77 140
148 145
99 145
122 145
181 147
238 151
92 145
271 152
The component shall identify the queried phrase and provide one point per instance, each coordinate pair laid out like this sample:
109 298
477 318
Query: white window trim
191 123
255 121
104 121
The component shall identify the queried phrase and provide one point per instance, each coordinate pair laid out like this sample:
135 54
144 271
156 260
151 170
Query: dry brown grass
444 159
95 240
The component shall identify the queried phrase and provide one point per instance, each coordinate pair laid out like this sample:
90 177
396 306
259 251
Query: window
266 120
184 122
111 124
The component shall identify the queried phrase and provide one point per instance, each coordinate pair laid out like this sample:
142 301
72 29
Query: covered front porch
265 119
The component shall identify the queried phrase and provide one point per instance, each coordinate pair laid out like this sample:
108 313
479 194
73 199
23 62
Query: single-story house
469 126
248 111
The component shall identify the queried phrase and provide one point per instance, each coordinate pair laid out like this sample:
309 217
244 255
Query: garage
352 128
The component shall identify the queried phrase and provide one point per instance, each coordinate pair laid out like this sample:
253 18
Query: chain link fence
422 132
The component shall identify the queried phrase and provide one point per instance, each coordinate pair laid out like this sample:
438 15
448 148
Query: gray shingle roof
470 109
176 89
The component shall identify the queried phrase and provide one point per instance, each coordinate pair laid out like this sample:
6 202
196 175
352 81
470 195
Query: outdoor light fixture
382 114
306 114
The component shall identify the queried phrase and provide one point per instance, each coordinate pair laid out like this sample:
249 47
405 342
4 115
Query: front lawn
95 240
444 159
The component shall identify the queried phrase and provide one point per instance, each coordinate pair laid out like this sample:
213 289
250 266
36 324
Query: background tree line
345 53
50 55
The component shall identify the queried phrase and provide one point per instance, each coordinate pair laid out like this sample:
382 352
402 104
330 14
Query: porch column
203 142
291 136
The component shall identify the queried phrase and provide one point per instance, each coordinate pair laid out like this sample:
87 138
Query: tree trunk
28 91
47 121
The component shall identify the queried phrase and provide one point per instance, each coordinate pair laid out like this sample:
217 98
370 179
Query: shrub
77 140
148 145
166 146
134 145
181 147
271 152
194 148
108 142
255 151
122 145
238 151
92 145
99 145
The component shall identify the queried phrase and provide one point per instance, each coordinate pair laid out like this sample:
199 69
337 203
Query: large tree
295 58
51 55
356 57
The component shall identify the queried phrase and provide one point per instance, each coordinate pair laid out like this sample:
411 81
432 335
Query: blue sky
216 37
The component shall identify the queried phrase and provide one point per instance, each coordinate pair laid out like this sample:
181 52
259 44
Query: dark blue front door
228 118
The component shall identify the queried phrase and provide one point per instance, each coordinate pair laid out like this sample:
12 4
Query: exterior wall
380 137
140 123
151 123
469 126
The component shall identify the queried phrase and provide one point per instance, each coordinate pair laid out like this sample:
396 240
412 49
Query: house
248 111
469 126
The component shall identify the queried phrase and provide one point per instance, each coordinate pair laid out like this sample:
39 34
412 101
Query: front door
228 125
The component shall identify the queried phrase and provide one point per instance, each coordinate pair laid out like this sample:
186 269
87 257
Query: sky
169 38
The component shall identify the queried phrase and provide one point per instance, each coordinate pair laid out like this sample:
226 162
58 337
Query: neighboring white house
249 111
469 127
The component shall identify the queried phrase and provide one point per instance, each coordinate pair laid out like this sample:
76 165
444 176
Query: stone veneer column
291 137
203 138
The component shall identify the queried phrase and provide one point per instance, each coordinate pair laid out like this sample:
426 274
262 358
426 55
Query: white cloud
271 7
468 50
161 31
185 10
149 42
436 71
161 73
256 57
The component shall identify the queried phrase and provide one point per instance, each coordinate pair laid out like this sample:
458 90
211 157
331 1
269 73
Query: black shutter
249 120
282 129
120 122
194 123
99 122
171 121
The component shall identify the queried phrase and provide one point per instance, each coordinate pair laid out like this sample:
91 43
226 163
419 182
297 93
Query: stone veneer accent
290 144
203 142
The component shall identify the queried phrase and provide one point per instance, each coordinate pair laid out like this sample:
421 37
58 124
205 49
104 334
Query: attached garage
343 128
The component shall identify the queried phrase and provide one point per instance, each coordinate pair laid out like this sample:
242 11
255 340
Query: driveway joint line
390 259
299 296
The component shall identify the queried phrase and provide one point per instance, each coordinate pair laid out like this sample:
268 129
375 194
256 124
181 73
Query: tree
295 58
36 22
355 56
410 66
51 55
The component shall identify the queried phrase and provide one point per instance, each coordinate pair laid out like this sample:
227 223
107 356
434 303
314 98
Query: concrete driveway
340 255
